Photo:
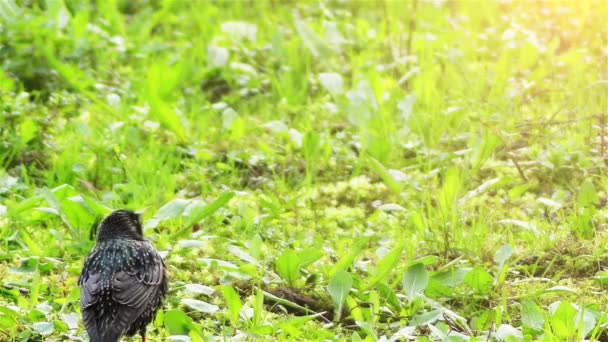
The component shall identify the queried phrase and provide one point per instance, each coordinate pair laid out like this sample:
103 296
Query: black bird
123 282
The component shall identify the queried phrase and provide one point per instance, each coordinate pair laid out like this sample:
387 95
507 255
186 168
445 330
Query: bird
123 282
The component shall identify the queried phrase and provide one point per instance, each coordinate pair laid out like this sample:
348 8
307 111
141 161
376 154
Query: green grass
312 171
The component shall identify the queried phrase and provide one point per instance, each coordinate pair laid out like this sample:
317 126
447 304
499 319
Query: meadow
335 170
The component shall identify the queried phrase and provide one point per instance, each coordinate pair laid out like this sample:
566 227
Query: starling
123 282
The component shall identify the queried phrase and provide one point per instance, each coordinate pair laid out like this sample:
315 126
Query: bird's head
121 224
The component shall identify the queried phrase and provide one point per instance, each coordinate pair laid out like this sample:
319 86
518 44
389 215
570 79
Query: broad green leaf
362 104
426 318
199 289
8 317
500 258
288 266
451 277
427 260
384 173
416 279
346 261
233 302
310 145
480 280
587 196
200 306
258 307
177 323
532 316
309 255
71 319
201 213
506 332
484 149
586 319
388 295
450 190
172 209
43 328
28 130
386 266
502 255
241 254
339 287
562 320
436 289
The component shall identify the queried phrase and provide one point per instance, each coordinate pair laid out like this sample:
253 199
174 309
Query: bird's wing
138 288
92 287
134 287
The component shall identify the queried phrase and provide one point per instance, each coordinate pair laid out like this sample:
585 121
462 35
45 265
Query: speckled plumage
123 282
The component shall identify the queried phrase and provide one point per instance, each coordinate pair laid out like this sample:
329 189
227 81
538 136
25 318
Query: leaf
8 317
532 316
288 266
71 319
480 280
502 255
163 79
200 306
177 323
388 295
311 40
191 244
196 215
241 254
505 331
427 260
587 317
233 302
172 210
28 130
362 104
448 195
416 279
487 185
587 196
332 82
406 105
426 318
310 145
385 266
9 11
309 255
43 328
561 288
384 173
562 319
199 289
338 288
346 261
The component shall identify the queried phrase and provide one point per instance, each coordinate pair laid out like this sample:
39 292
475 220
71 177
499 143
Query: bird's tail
105 337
